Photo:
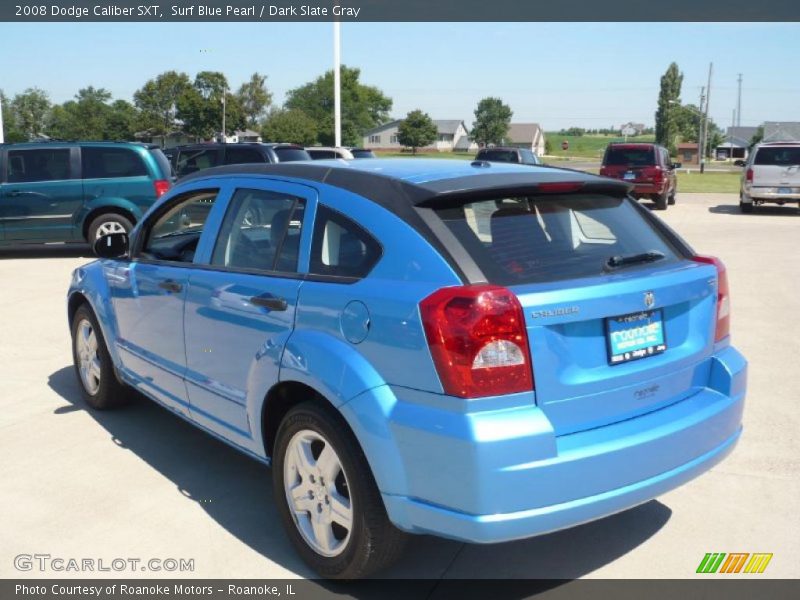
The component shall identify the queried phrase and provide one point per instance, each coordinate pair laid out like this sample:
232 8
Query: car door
41 195
148 294
240 307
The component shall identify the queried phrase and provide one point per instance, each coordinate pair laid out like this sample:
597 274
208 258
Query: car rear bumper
769 194
648 189
499 475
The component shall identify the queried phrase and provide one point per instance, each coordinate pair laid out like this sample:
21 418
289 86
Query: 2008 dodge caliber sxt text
478 351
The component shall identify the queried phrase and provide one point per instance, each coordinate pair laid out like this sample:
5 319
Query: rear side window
288 154
174 235
191 161
784 156
498 155
629 156
237 156
341 247
363 154
99 162
38 165
528 157
261 231
545 238
321 154
163 161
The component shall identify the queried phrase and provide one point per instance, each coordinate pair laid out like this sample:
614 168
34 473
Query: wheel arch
121 207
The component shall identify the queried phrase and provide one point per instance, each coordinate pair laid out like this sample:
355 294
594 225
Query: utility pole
337 85
2 138
705 119
224 134
700 128
739 104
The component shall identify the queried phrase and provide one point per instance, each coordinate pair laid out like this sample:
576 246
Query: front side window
38 165
546 238
237 156
261 231
174 234
190 161
341 247
100 162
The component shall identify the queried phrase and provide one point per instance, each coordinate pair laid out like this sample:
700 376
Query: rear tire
671 199
660 201
315 499
93 366
746 208
108 223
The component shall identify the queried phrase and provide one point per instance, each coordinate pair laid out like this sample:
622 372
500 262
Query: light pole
337 85
2 137
224 133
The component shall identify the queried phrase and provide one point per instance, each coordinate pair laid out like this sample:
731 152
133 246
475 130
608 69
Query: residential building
786 131
632 129
737 142
526 135
450 134
688 153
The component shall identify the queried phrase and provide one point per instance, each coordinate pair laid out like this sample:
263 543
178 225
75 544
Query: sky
560 75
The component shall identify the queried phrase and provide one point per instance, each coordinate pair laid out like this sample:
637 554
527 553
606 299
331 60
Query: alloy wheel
89 361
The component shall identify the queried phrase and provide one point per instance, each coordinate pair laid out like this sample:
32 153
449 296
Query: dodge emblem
649 299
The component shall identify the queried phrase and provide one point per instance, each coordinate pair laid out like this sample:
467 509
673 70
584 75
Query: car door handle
170 286
270 302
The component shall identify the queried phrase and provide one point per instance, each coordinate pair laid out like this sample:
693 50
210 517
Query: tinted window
101 162
341 247
174 235
536 239
363 154
261 231
779 155
499 155
236 156
629 156
38 165
321 154
190 161
528 157
286 154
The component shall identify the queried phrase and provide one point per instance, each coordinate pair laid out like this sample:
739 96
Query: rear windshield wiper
614 262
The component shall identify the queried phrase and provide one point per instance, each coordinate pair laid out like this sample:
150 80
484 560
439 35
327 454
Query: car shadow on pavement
733 209
236 491
55 251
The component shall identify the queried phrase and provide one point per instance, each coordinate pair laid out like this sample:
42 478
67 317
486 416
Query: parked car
521 156
76 191
322 152
362 153
647 166
191 158
484 352
772 174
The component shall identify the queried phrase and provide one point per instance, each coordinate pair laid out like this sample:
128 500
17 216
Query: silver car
772 174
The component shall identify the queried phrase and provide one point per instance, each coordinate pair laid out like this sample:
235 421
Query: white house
737 142
631 129
451 134
526 135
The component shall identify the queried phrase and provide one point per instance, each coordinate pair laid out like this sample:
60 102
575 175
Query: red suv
647 166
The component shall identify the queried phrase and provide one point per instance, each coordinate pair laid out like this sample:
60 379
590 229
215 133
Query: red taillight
603 170
478 341
559 187
161 186
723 297
749 175
654 173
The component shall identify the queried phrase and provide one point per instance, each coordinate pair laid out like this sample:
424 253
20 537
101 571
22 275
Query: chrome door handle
170 286
270 302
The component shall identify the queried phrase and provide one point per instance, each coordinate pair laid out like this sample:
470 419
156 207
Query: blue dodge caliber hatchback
483 352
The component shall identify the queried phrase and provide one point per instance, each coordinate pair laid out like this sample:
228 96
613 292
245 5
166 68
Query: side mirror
677 165
112 245
739 163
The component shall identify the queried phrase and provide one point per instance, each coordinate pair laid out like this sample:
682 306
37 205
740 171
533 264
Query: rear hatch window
629 156
784 156
539 239
289 154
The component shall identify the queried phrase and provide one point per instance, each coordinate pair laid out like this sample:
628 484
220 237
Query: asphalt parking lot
140 483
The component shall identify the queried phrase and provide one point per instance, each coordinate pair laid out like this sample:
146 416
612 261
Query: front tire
327 498
93 366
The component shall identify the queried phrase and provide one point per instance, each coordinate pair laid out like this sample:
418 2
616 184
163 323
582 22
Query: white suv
772 174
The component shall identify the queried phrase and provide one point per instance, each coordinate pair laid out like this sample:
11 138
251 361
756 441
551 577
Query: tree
254 98
687 119
84 118
11 131
668 105
122 121
363 106
201 106
416 130
492 121
289 126
157 100
757 137
31 109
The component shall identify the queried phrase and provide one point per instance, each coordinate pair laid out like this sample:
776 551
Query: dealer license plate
634 336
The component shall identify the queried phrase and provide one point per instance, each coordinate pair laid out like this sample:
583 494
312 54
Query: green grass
725 183
586 146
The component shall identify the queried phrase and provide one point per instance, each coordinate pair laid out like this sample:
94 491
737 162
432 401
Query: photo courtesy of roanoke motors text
374 299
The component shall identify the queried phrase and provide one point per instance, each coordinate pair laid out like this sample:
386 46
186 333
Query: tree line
174 102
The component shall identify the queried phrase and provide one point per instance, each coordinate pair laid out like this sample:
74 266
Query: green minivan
57 191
